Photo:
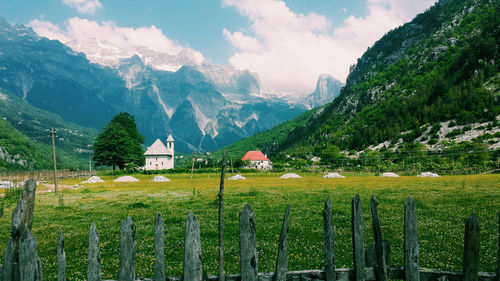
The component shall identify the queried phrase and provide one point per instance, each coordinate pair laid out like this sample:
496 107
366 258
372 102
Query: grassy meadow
443 204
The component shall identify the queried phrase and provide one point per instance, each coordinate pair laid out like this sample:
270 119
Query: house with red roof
257 160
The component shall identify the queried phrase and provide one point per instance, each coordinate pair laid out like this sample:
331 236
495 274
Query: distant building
159 156
257 160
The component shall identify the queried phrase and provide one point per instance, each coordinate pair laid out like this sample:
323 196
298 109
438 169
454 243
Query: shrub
432 141
435 128
454 133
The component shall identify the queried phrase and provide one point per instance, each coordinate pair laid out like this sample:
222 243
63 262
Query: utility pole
221 219
231 158
54 156
192 165
90 165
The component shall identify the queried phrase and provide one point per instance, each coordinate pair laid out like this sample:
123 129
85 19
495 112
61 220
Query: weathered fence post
192 250
371 254
379 242
221 219
411 253
358 238
61 257
22 217
248 249
159 248
329 243
127 250
471 249
94 258
22 220
29 264
10 267
282 259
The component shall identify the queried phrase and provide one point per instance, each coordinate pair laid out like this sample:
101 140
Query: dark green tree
127 121
330 154
119 143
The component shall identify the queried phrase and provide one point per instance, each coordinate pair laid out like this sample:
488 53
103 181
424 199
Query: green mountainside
19 152
430 86
25 140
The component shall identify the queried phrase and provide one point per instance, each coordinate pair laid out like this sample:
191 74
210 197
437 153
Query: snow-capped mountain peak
109 54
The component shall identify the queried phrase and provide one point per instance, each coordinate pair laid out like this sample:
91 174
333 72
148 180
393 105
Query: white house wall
261 165
159 162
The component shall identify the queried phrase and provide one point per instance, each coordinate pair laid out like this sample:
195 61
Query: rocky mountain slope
420 82
327 89
204 107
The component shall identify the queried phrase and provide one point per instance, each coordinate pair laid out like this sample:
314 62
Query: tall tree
127 121
119 143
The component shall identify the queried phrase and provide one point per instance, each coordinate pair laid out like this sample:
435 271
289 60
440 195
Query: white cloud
84 6
106 43
49 30
243 42
289 50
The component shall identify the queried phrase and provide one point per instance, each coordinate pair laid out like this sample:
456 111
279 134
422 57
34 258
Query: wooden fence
44 175
21 261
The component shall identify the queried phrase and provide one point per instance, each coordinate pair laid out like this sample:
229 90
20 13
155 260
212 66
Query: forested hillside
431 85
25 139
19 152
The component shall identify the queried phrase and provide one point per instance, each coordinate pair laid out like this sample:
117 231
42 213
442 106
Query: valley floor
443 204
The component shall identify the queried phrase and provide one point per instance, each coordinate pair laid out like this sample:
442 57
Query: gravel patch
237 177
93 179
333 176
126 179
160 179
389 175
6 184
290 176
428 175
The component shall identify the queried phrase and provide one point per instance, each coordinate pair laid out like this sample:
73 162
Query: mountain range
204 106
431 84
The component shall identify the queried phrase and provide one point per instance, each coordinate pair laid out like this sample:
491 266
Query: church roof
255 156
158 148
170 138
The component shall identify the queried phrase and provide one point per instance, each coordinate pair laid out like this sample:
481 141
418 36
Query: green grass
443 204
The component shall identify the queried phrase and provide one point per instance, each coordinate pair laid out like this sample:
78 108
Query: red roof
255 156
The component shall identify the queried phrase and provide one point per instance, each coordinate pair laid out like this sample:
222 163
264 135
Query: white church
159 156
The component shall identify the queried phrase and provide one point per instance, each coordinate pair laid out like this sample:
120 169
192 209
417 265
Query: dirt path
51 187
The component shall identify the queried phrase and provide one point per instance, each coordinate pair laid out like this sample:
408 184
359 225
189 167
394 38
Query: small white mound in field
93 179
389 175
6 184
333 176
160 179
237 177
290 176
126 179
428 175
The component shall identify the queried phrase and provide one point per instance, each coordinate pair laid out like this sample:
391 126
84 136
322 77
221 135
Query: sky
288 44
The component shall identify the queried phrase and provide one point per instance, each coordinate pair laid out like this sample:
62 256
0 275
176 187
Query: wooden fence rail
44 175
21 261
